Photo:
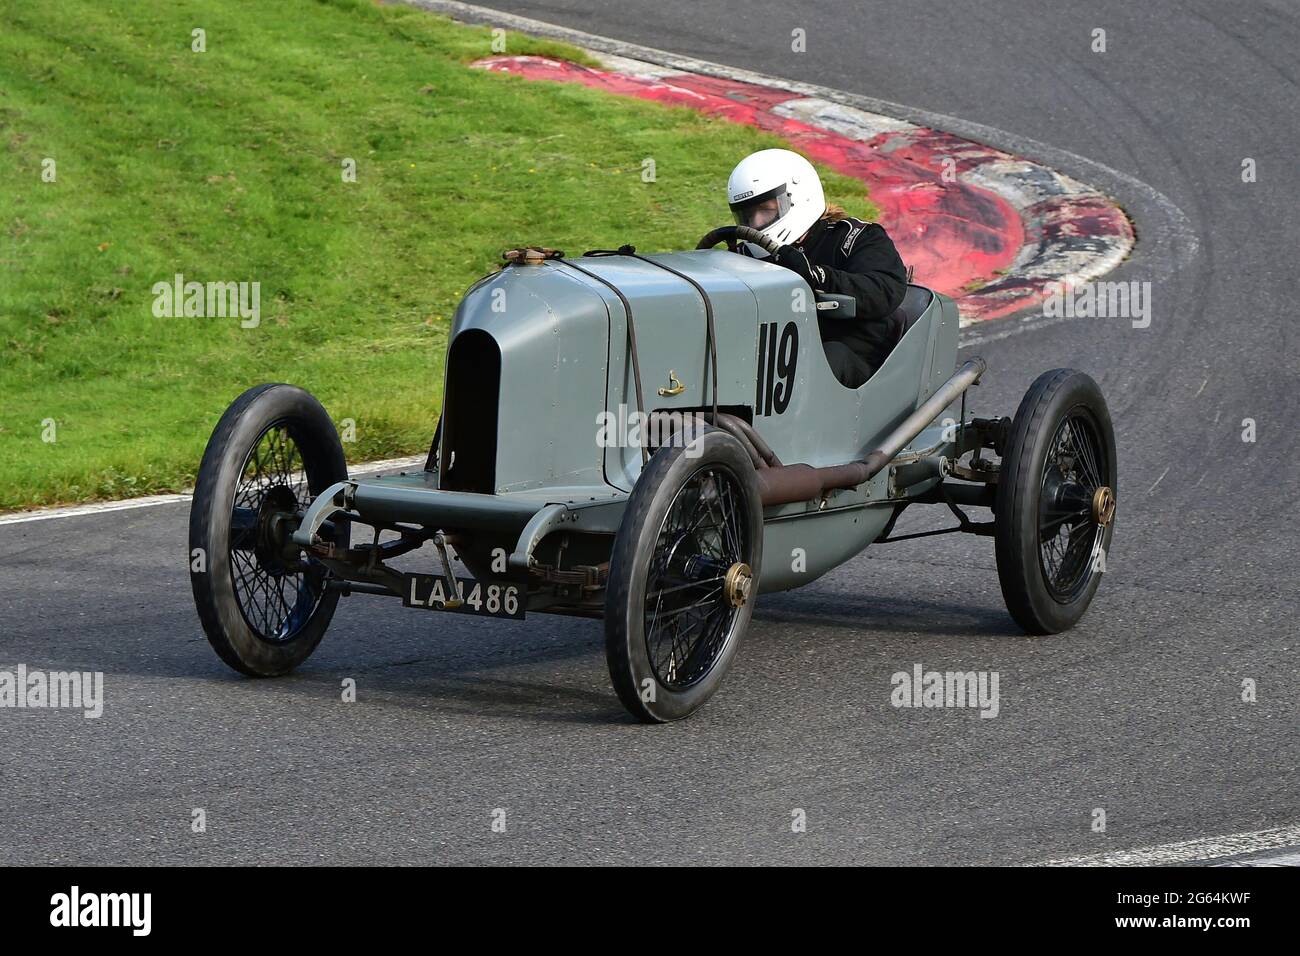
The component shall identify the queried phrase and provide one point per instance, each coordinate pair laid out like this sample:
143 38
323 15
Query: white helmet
777 192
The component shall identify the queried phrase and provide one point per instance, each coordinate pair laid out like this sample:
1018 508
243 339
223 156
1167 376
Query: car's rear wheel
1055 506
264 605
683 577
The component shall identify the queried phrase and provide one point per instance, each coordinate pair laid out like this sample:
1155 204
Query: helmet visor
759 212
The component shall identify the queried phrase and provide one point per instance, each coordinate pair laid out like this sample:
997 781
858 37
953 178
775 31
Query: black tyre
1055 502
683 577
264 606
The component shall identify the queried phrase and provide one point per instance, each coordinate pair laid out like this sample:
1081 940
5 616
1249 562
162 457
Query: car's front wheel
683 577
264 605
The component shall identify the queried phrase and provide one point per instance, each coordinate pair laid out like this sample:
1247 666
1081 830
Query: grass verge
228 165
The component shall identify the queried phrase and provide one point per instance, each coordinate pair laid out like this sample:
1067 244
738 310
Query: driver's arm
854 258
872 272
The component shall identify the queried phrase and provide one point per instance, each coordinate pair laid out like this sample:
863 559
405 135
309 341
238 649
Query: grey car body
653 441
560 339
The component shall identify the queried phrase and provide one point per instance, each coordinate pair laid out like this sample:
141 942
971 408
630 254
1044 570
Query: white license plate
484 598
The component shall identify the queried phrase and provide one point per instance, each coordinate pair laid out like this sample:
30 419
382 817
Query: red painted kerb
956 236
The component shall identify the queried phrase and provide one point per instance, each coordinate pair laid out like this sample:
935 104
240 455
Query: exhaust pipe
785 484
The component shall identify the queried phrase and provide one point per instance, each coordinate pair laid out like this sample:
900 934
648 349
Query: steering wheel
735 234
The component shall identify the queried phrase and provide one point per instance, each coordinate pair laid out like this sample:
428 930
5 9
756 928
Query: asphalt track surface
1136 711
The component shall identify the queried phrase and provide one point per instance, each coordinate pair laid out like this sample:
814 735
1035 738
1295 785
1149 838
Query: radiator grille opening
468 456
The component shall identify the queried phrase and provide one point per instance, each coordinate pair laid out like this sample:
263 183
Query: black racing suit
857 258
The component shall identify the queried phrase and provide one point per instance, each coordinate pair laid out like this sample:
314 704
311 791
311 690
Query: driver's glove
793 258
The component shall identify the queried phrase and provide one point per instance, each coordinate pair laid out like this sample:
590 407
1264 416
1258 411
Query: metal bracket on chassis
364 564
973 436
452 600
577 589
334 499
538 527
360 568
559 517
942 493
978 470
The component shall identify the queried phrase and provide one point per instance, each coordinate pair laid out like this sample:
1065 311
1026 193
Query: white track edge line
152 501
1189 851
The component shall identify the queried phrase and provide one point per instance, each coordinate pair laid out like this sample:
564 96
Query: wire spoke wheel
1069 534
263 603
683 576
276 591
1055 506
688 616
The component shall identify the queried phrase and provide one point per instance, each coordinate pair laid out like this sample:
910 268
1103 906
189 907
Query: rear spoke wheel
1055 502
1068 533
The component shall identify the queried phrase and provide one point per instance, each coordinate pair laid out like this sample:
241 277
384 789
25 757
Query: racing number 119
776 366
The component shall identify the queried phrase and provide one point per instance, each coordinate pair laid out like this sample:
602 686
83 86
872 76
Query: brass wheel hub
737 584
1103 506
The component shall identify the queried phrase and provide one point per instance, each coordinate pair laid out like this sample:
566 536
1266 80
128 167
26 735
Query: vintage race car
654 440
